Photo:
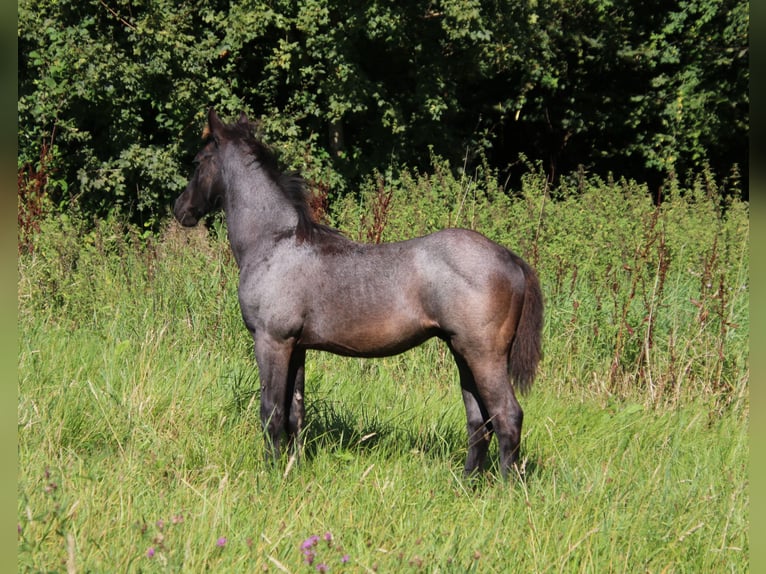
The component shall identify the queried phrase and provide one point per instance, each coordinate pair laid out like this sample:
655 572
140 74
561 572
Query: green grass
139 433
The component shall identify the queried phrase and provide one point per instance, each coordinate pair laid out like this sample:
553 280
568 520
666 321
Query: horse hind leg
479 433
478 426
509 438
491 407
505 412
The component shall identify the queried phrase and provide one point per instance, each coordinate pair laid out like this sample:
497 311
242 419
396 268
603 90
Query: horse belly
366 334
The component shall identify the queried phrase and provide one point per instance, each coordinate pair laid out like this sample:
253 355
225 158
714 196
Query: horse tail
526 347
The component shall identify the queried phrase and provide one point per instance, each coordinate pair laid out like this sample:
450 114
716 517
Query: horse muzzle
185 214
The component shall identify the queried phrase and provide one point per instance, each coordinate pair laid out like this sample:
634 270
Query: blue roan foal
305 286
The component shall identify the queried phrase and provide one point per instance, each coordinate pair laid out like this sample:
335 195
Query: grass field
139 440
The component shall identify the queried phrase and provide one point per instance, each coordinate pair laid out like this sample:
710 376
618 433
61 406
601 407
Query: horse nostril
184 216
188 220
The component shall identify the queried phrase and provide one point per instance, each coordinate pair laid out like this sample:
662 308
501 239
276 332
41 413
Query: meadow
138 433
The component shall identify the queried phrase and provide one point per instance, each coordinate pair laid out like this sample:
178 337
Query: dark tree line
112 93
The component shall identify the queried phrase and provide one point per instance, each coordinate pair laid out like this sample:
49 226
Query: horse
305 286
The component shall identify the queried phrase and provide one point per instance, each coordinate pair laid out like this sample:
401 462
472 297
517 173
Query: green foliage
654 296
138 423
117 90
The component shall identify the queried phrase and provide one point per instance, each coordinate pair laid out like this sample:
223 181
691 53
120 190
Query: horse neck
257 211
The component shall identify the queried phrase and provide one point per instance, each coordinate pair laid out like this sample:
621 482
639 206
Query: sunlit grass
140 445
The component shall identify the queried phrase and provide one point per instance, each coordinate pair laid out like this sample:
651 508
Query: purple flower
221 541
328 536
309 542
150 552
160 524
345 558
322 567
308 556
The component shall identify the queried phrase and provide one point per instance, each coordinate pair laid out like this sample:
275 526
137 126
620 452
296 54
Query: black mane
290 183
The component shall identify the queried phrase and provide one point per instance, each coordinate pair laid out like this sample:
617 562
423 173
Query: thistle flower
309 542
308 557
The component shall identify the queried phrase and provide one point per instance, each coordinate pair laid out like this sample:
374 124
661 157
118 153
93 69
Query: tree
114 92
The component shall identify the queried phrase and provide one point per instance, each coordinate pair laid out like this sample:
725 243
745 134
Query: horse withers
305 286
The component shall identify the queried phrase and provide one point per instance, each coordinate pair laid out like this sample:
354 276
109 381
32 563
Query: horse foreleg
273 358
296 406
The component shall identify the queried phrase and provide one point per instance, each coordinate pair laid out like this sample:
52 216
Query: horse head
205 190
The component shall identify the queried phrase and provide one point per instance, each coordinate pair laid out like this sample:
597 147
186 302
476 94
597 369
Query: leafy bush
116 91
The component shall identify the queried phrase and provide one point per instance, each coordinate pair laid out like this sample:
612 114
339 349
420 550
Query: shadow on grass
347 430
340 427
351 430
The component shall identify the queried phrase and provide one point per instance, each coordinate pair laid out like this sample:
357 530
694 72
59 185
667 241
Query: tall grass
139 438
654 295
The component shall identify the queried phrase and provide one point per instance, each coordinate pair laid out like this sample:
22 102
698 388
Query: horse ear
214 124
243 119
